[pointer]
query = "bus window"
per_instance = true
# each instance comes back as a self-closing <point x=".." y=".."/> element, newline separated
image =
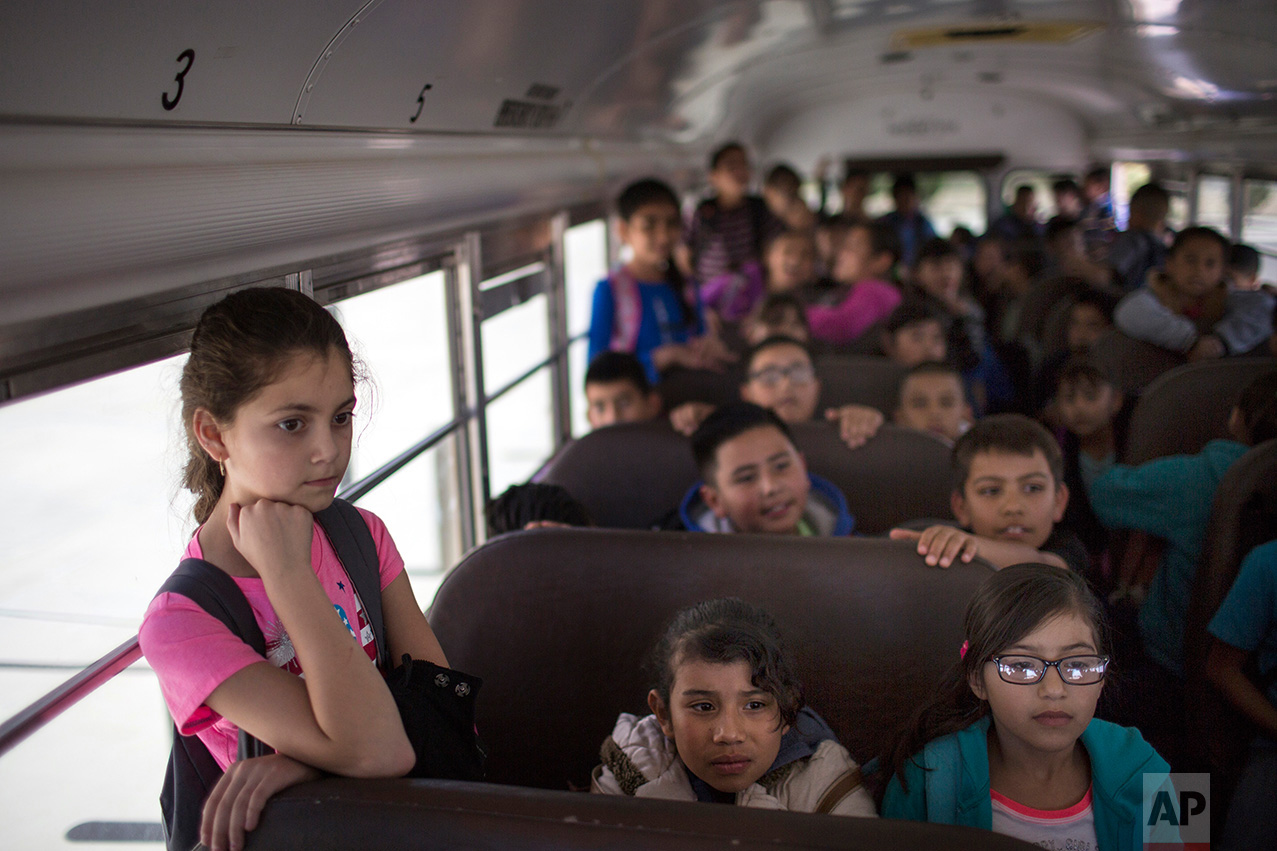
<point x="949" y="199"/>
<point x="400" y="333"/>
<point x="520" y="433"/>
<point x="585" y="264"/>
<point x="1214" y="202"/>
<point x="1259" y="215"/>
<point x="1040" y="181"/>
<point x="92" y="521"/>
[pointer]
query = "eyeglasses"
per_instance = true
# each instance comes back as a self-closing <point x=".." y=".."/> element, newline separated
<point x="1074" y="670"/>
<point x="799" y="373"/>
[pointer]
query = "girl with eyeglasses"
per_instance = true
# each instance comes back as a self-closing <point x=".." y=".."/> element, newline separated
<point x="1011" y="743"/>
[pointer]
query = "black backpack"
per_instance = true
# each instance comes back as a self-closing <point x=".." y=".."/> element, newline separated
<point x="192" y="772"/>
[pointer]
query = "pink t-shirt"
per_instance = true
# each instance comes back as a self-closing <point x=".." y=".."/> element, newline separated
<point x="868" y="302"/>
<point x="193" y="652"/>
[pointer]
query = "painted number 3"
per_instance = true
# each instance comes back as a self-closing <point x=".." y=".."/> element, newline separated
<point x="171" y="103"/>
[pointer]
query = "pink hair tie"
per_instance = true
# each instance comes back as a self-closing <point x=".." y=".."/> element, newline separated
<point x="962" y="651"/>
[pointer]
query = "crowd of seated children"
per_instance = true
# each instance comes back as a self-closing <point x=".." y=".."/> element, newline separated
<point x="1246" y="626"/>
<point x="534" y="505"/>
<point x="728" y="724"/>
<point x="1008" y="497"/>
<point x="782" y="188"/>
<point x="1090" y="314"/>
<point x="646" y="305"/>
<point x="862" y="270"/>
<point x="1188" y="308"/>
<point x="617" y="391"/>
<point x="1067" y="256"/>
<point x="778" y="315"/>
<point x="780" y="376"/>
<point x="1020" y="221"/>
<point x="1067" y="197"/>
<point x="907" y="221"/>
<point x="1092" y="414"/>
<point x="1170" y="498"/>
<point x="1010" y="742"/>
<point x="1141" y="248"/>
<point x="853" y="189"/>
<point x="726" y="235"/>
<point x="932" y="399"/>
<point x="754" y="479"/>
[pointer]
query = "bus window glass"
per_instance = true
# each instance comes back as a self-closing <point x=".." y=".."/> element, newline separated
<point x="1259" y="217"/>
<point x="1214" y="202"/>
<point x="949" y="199"/>
<point x="93" y="520"/>
<point x="400" y="332"/>
<point x="514" y="341"/>
<point x="1177" y="216"/>
<point x="520" y="436"/>
<point x="1039" y="180"/>
<point x="585" y="264"/>
<point x="419" y="505"/>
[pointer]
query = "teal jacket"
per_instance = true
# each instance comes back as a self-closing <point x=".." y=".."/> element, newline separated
<point x="956" y="790"/>
<point x="1171" y="499"/>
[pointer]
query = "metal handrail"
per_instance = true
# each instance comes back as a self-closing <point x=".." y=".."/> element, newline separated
<point x="63" y="697"/>
<point x="71" y="692"/>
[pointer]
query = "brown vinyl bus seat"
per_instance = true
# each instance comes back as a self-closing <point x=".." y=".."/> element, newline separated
<point x="1243" y="516"/>
<point x="679" y="384"/>
<point x="628" y="476"/>
<point x="899" y="475"/>
<point x="858" y="380"/>
<point x="1185" y="408"/>
<point x="559" y="622"/>
<point x="1133" y="363"/>
<point x="424" y="815"/>
<point x="1043" y="295"/>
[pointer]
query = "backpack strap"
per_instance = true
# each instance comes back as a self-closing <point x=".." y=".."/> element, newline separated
<point x="214" y="591"/>
<point x="844" y="786"/>
<point x="356" y="549"/>
<point x="627" y="310"/>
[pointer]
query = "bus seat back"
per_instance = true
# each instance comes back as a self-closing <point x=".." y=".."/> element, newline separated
<point x="560" y="622"/>
<point x="1132" y="362"/>
<point x="899" y="475"/>
<point x="1160" y="423"/>
<point x="858" y="380"/>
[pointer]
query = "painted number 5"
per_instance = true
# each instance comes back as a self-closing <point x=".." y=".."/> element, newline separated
<point x="421" y="102"/>
<point x="170" y="103"/>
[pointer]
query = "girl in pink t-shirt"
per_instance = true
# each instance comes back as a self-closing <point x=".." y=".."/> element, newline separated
<point x="268" y="406"/>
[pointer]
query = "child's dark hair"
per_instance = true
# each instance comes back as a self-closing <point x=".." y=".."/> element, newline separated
<point x="609" y="367"/>
<point x="1104" y="302"/>
<point x="936" y="250"/>
<point x="1082" y="369"/>
<point x="913" y="311"/>
<point x="1258" y="406"/>
<point x="716" y="158"/>
<point x="1058" y="226"/>
<point x="770" y="343"/>
<point x="1007" y="606"/>
<point x="904" y="182"/>
<point x="1015" y="434"/>
<point x="1244" y="259"/>
<point x="1027" y="254"/>
<point x="778" y="306"/>
<point x="1151" y="201"/>
<point x="523" y="504"/>
<point x="639" y="194"/>
<point x="783" y="177"/>
<point x="883" y="239"/>
<point x="724" y="631"/>
<point x="643" y="192"/>
<point x="1066" y="186"/>
<point x="240" y="345"/>
<point x="1189" y="234"/>
<point x="727" y="422"/>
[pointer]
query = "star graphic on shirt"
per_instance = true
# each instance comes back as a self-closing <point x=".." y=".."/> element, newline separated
<point x="341" y="586"/>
